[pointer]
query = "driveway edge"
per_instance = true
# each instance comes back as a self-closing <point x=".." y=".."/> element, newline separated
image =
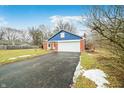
<point x="77" y="72"/>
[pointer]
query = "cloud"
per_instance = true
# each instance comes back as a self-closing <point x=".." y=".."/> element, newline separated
<point x="78" y="21"/>
<point x="3" y="22"/>
<point x="56" y="18"/>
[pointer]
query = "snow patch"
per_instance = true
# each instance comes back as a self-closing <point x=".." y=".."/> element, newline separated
<point x="89" y="54"/>
<point x="24" y="56"/>
<point x="96" y="75"/>
<point x="19" y="57"/>
<point x="12" y="58"/>
<point x="77" y="72"/>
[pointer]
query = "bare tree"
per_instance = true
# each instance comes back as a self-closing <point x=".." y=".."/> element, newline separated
<point x="62" y="25"/>
<point x="25" y="36"/>
<point x="46" y="30"/>
<point x="108" y="22"/>
<point x="2" y="33"/>
<point x="37" y="35"/>
<point x="11" y="35"/>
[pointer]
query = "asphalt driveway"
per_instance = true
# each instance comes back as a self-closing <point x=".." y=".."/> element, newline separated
<point x="54" y="70"/>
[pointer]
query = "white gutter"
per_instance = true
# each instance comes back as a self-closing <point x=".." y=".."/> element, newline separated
<point x="65" y="40"/>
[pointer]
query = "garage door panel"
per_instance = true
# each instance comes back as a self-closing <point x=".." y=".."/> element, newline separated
<point x="69" y="46"/>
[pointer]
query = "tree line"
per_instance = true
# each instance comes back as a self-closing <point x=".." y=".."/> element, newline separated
<point x="34" y="35"/>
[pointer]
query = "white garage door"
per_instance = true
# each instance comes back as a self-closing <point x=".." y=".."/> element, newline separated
<point x="69" y="46"/>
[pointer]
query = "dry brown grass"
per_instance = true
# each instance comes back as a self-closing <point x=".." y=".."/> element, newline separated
<point x="107" y="62"/>
<point x="83" y="82"/>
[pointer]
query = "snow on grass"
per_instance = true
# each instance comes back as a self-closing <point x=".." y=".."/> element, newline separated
<point x="77" y="72"/>
<point x="89" y="54"/>
<point x="96" y="75"/>
<point x="23" y="56"/>
<point x="12" y="58"/>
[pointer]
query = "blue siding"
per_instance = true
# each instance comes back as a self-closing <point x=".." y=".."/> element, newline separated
<point x="68" y="36"/>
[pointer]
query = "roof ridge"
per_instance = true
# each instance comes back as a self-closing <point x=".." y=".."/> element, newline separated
<point x="64" y="31"/>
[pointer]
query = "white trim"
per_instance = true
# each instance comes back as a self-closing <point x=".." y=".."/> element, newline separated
<point x="65" y="40"/>
<point x="69" y="40"/>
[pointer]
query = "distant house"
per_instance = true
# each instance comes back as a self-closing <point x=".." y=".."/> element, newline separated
<point x="64" y="41"/>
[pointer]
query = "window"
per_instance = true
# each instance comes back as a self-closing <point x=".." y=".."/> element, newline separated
<point x="62" y="35"/>
<point x="49" y="45"/>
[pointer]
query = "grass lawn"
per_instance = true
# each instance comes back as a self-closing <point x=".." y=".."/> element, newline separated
<point x="7" y="56"/>
<point x="105" y="61"/>
<point x="87" y="61"/>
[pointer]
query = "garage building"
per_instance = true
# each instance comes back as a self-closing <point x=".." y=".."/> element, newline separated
<point x="64" y="41"/>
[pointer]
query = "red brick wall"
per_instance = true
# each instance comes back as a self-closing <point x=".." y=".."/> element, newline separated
<point x="45" y="45"/>
<point x="52" y="45"/>
<point x="82" y="45"/>
<point x="56" y="46"/>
